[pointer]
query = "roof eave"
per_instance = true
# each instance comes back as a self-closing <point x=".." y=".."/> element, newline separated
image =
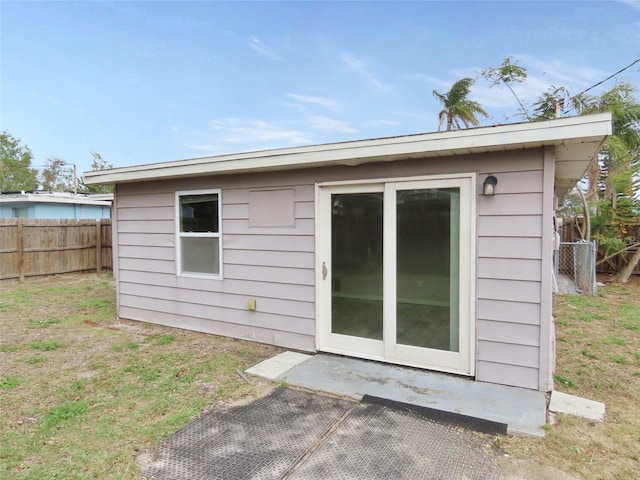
<point x="563" y="131"/>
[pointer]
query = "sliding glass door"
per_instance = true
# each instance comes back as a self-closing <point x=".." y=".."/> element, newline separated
<point x="395" y="264"/>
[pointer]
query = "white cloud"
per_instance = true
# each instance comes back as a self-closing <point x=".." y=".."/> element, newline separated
<point x="257" y="132"/>
<point x="353" y="62"/>
<point x="258" y="45"/>
<point x="358" y="66"/>
<point x="229" y="135"/>
<point x="329" y="124"/>
<point x="560" y="73"/>
<point x="632" y="3"/>
<point x="314" y="100"/>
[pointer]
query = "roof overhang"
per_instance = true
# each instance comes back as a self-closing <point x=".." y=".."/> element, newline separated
<point x="578" y="140"/>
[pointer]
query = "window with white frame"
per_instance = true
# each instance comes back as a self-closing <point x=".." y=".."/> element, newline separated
<point x="198" y="231"/>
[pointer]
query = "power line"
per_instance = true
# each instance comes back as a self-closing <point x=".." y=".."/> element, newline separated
<point x="610" y="76"/>
<point x="601" y="82"/>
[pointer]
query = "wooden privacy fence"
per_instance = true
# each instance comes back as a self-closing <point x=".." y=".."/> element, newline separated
<point x="33" y="247"/>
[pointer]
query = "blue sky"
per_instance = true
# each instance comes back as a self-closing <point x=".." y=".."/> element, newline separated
<point x="144" y="82"/>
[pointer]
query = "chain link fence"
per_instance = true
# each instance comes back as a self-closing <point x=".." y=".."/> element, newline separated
<point x="575" y="270"/>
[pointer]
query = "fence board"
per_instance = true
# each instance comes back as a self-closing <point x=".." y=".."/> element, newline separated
<point x="33" y="247"/>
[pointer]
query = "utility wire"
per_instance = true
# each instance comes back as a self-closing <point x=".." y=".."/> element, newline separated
<point x="610" y="76"/>
<point x="602" y="81"/>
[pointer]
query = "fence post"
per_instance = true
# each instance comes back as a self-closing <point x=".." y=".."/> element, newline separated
<point x="20" y="242"/>
<point x="98" y="246"/>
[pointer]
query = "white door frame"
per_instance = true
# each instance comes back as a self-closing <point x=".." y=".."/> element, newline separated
<point x="462" y="362"/>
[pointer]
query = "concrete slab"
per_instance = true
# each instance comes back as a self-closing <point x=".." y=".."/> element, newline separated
<point x="273" y="367"/>
<point x="572" y="405"/>
<point x="523" y="411"/>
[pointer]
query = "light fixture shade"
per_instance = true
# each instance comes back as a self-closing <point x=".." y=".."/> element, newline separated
<point x="489" y="186"/>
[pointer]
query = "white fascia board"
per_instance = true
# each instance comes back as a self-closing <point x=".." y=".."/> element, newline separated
<point x="486" y="139"/>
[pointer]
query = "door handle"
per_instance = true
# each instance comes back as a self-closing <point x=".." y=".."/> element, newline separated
<point x="324" y="270"/>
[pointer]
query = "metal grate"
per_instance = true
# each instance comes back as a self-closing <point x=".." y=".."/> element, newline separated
<point x="258" y="441"/>
<point x="378" y="442"/>
<point x="576" y="268"/>
<point x="303" y="436"/>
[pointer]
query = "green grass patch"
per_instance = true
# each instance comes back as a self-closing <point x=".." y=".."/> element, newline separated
<point x="47" y="345"/>
<point x="46" y="323"/>
<point x="7" y="383"/>
<point x="566" y="381"/>
<point x="36" y="360"/>
<point x="629" y="316"/>
<point x="160" y="338"/>
<point x="99" y="303"/>
<point x="65" y="412"/>
<point x="630" y="324"/>
<point x="584" y="301"/>
<point x="13" y="301"/>
<point x="98" y="363"/>
<point x="146" y="373"/>
<point x="165" y="339"/>
<point x="613" y="341"/>
<point x="590" y="354"/>
<point x="9" y="348"/>
<point x="585" y="317"/>
<point x="6" y="307"/>
<point x="119" y="347"/>
<point x="619" y="359"/>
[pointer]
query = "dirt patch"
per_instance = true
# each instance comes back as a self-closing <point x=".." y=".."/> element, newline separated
<point x="515" y="469"/>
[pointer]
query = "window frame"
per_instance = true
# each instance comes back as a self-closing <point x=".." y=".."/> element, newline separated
<point x="179" y="235"/>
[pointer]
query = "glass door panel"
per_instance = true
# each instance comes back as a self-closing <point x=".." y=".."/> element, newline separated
<point x="427" y="260"/>
<point x="356" y="264"/>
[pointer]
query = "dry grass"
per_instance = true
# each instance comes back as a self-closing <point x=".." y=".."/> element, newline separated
<point x="598" y="357"/>
<point x="82" y="394"/>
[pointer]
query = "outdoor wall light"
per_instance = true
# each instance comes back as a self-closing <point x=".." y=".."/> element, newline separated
<point x="489" y="186"/>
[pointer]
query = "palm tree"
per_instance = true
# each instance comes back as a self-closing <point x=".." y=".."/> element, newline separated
<point x="457" y="107"/>
<point x="616" y="172"/>
<point x="508" y="73"/>
<point x="614" y="178"/>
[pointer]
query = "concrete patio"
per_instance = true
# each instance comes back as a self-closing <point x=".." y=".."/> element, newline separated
<point x="477" y="405"/>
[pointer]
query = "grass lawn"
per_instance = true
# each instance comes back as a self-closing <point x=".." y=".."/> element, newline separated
<point x="598" y="357"/>
<point x="82" y="394"/>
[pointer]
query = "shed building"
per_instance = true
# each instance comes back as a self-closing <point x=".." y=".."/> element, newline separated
<point x="386" y="249"/>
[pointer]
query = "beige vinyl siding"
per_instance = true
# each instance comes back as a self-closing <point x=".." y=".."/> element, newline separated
<point x="499" y="372"/>
<point x="274" y="266"/>
<point x="281" y="291"/>
<point x="509" y="272"/>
